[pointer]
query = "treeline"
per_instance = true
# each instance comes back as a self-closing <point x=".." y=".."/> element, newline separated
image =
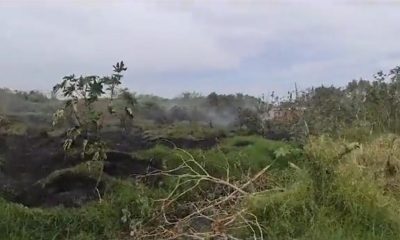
<point x="361" y="107"/>
<point x="21" y="101"/>
<point x="214" y="109"/>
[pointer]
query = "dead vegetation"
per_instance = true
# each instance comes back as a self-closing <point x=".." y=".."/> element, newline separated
<point x="218" y="213"/>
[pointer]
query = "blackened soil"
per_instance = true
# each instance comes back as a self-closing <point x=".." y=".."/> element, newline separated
<point x="121" y="164"/>
<point x="130" y="143"/>
<point x="29" y="158"/>
<point x="126" y="143"/>
<point x="278" y="135"/>
<point x="68" y="190"/>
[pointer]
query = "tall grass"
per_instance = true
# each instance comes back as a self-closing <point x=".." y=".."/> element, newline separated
<point x="339" y="192"/>
<point x="333" y="189"/>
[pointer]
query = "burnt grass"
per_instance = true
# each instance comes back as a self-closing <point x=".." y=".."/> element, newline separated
<point x="28" y="159"/>
<point x="68" y="190"/>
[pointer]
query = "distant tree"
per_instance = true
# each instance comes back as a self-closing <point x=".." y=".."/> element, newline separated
<point x="212" y="99"/>
<point x="190" y="95"/>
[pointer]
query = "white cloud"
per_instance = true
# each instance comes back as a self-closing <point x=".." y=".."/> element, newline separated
<point x="151" y="39"/>
<point x="42" y="40"/>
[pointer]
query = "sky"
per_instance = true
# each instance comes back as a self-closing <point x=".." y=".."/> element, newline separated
<point x="172" y="46"/>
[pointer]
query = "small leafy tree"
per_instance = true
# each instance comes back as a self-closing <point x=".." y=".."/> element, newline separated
<point x="83" y="96"/>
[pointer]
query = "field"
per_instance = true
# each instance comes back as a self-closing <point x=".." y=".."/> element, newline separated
<point x="198" y="167"/>
<point x="327" y="190"/>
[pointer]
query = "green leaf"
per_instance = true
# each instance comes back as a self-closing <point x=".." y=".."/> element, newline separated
<point x="96" y="88"/>
<point x="281" y="152"/>
<point x="68" y="91"/>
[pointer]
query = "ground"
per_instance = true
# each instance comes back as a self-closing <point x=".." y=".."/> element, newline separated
<point x="326" y="189"/>
<point x="45" y="190"/>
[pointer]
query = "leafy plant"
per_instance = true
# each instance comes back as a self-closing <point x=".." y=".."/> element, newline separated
<point x="81" y="95"/>
<point x="281" y="152"/>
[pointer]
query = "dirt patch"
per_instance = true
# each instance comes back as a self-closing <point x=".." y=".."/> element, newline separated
<point x="126" y="143"/>
<point x="278" y="135"/>
<point x="30" y="158"/>
<point x="124" y="165"/>
<point x="68" y="190"/>
<point x="27" y="159"/>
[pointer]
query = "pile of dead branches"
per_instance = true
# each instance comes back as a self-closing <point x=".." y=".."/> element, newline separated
<point x="202" y="206"/>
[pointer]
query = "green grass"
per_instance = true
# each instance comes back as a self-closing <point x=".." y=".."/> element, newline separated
<point x="251" y="158"/>
<point x="94" y="221"/>
<point x="330" y="190"/>
<point x="16" y="128"/>
<point x="183" y="130"/>
<point x="333" y="195"/>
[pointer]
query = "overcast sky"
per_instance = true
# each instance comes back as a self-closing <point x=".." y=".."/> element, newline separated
<point x="172" y="46"/>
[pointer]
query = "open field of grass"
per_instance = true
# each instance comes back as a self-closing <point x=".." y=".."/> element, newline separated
<point x="330" y="189"/>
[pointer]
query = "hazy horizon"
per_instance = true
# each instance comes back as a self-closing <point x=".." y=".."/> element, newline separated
<point x="170" y="47"/>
